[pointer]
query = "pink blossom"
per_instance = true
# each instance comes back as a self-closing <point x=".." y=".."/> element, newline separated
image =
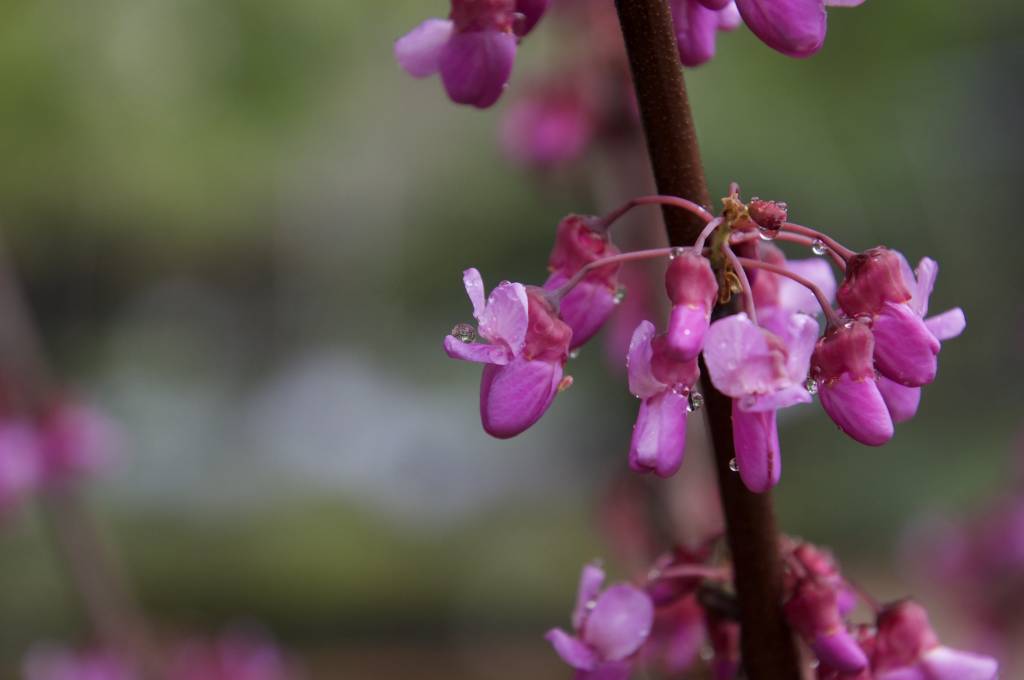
<point x="609" y="627"/>
<point x="548" y="128"/>
<point x="813" y="610"/>
<point x="235" y="656"/>
<point x="696" y="24"/>
<point x="20" y="462"/>
<point x="523" y="359"/>
<point x="662" y="382"/>
<point x="76" y="439"/>
<point x="677" y="636"/>
<point x="692" y="289"/>
<point x="794" y="27"/>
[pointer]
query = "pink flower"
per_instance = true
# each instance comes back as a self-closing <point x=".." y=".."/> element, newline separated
<point x="662" y="382"/>
<point x="609" y="628"/>
<point x="527" y="347"/>
<point x="51" y="662"/>
<point x="235" y="656"/>
<point x="906" y="648"/>
<point x="696" y="23"/>
<point x="762" y="371"/>
<point x="548" y="128"/>
<point x="76" y="439"/>
<point x="474" y="49"/>
<point x="677" y="636"/>
<point x="775" y="295"/>
<point x="19" y="462"/>
<point x="794" y="27"/>
<point x="589" y="304"/>
<point x="692" y="289"/>
<point x="813" y="610"/>
<point x="843" y="368"/>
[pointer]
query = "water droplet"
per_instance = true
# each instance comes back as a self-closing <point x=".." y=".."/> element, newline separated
<point x="464" y="332"/>
<point x="673" y="253"/>
<point x="576" y="352"/>
<point x="694" y="401"/>
<point x="768" y="233"/>
<point x="591" y="604"/>
<point x="811" y="385"/>
<point x="620" y="295"/>
<point x="734" y="466"/>
<point x="818" y="247"/>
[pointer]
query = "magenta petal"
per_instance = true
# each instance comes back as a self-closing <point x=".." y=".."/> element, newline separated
<point x="591" y="579"/>
<point x="756" y="439"/>
<point x="944" y="663"/>
<point x="515" y="396"/>
<point x="506" y="316"/>
<point x="475" y="66"/>
<point x="915" y="672"/>
<point x="714" y="4"/>
<point x="905" y="350"/>
<point x="729" y="18"/>
<point x="572" y="650"/>
<point x="947" y="325"/>
<point x="532" y="11"/>
<point x="474" y="284"/>
<point x="840" y="651"/>
<point x="843" y="3"/>
<point x="19" y="461"/>
<point x="419" y="50"/>
<point x="659" y="437"/>
<point x="739" y="359"/>
<point x="476" y="351"/>
<point x="794" y="297"/>
<point x="902" y="401"/>
<point x="794" y="27"/>
<point x="857" y="407"/>
<point x="925" y="274"/>
<point x="695" y="26"/>
<point x="620" y="622"/>
<point x="642" y="382"/>
<point x="687" y="326"/>
<point x="585" y="308"/>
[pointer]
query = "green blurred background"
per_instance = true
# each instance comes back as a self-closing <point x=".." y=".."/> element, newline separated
<point x="242" y="229"/>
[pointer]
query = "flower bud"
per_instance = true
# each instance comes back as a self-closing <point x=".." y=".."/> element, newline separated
<point x="873" y="278"/>
<point x="769" y="215"/>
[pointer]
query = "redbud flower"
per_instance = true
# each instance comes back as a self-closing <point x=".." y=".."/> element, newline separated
<point x="473" y="49"/>
<point x="548" y="128"/>
<point x="906" y="648"/>
<point x="591" y="301"/>
<point x="776" y="296"/>
<point x="762" y="371"/>
<point x="663" y="384"/>
<point x="692" y="289"/>
<point x="696" y="22"/>
<point x="794" y="27"/>
<point x="842" y="366"/>
<point x="609" y="628"/>
<point x="813" y="610"/>
<point x="19" y="462"/>
<point x="523" y="360"/>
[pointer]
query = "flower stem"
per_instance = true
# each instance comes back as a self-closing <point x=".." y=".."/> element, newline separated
<point x="826" y="307"/>
<point x="768" y="647"/>
<point x="839" y="248"/>
<point x="606" y="222"/>
<point x="563" y="290"/>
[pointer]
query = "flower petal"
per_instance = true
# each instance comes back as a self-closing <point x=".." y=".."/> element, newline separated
<point x="476" y="66"/>
<point x="585" y="308"/>
<point x="902" y="401"/>
<point x="797" y="298"/>
<point x="756" y="439"/>
<point x="926" y="273"/>
<point x="419" y="50"/>
<point x="740" y="359"/>
<point x="591" y="580"/>
<point x="798" y="333"/>
<point x="857" y="407"/>
<point x="793" y="27"/>
<point x="905" y="350"/>
<point x="947" y="325"/>
<point x="839" y="650"/>
<point x="714" y="4"/>
<point x="773" y="401"/>
<point x="480" y="352"/>
<point x="515" y="396"/>
<point x="620" y="622"/>
<point x="532" y="11"/>
<point x="474" y="284"/>
<point x="843" y="3"/>
<point x="572" y="650"/>
<point x="642" y="382"/>
<point x="729" y="18"/>
<point x="659" y="436"/>
<point x="687" y="326"/>
<point x="944" y="663"/>
<point x="695" y="27"/>
<point x="506" y="316"/>
<point x="915" y="672"/>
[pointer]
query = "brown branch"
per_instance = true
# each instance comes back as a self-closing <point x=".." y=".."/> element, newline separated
<point x="768" y="647"/>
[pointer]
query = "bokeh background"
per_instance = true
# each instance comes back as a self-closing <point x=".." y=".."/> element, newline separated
<point x="242" y="228"/>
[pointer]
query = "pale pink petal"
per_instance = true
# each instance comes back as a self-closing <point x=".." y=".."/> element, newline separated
<point x="642" y="382"/>
<point x="475" y="66"/>
<point x="795" y="297"/>
<point x="572" y="650"/>
<point x="506" y="316"/>
<point x="756" y="439"/>
<point x="857" y="407"/>
<point x="915" y="672"/>
<point x="695" y="27"/>
<point x="947" y="325"/>
<point x="729" y="18"/>
<point x="840" y="651"/>
<point x="905" y="350"/>
<point x="474" y="284"/>
<point x="799" y="334"/>
<point x="773" y="401"/>
<point x="687" y="326"/>
<point x="620" y="622"/>
<point x="926" y="273"/>
<point x="793" y="27"/>
<point x="515" y="396"/>
<point x="479" y="352"/>
<point x="740" y="360"/>
<point x="419" y="50"/>
<point x="902" y="401"/>
<point x="659" y="436"/>
<point x="591" y="580"/>
<point x="944" y="663"/>
<point x="585" y="308"/>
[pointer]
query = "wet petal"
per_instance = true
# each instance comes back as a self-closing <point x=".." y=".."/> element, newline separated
<point x="642" y="382"/>
<point x="687" y="326"/>
<point x="572" y="650"/>
<point x="695" y="27"/>
<point x="797" y="298"/>
<point x="840" y="651"/>
<point x="659" y="436"/>
<point x="905" y="350"/>
<point x="944" y="663"/>
<point x="740" y="360"/>
<point x="419" y="50"/>
<point x="857" y="407"/>
<point x="585" y="308"/>
<point x="474" y="284"/>
<point x="506" y="316"/>
<point x="799" y="334"/>
<point x="483" y="353"/>
<point x="926" y="273"/>
<point x="591" y="580"/>
<point x="476" y="66"/>
<point x="947" y="325"/>
<point x="620" y="622"/>
<point x="756" y="439"/>
<point x="515" y="396"/>
<point x="793" y="27"/>
<point x="902" y="401"/>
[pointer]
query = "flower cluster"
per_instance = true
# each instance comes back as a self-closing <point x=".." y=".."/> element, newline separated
<point x="684" y="609"/>
<point x="868" y="363"/>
